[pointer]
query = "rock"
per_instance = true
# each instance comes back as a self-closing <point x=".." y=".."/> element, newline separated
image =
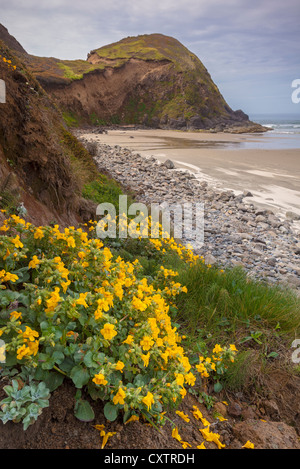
<point x="234" y="409"/>
<point x="292" y="216"/>
<point x="265" y="435"/>
<point x="169" y="164"/>
<point x="248" y="413"/>
<point x="247" y="194"/>
<point x="271" y="409"/>
<point x="260" y="218"/>
<point x="220" y="408"/>
<point x="210" y="259"/>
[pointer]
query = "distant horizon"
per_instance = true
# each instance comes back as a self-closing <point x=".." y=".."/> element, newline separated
<point x="276" y="113"/>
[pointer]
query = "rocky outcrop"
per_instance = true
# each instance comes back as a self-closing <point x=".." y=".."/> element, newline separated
<point x="150" y="80"/>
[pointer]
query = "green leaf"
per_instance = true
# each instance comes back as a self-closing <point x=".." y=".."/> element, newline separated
<point x="110" y="411"/>
<point x="67" y="365"/>
<point x="83" y="411"/>
<point x="53" y="380"/>
<point x="58" y="357"/>
<point x="80" y="376"/>
<point x="47" y="362"/>
<point x="218" y="387"/>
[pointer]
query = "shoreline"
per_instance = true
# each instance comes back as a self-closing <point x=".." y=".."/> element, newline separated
<point x="272" y="176"/>
<point x="237" y="232"/>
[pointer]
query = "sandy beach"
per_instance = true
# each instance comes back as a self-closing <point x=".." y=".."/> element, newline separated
<point x="231" y="161"/>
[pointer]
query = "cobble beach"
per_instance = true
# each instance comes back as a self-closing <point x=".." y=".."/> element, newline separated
<point x="240" y="229"/>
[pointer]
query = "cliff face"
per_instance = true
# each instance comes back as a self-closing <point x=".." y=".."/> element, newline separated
<point x="36" y="157"/>
<point x="151" y="80"/>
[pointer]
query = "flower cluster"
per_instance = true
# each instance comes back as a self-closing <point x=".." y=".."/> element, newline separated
<point x="81" y="311"/>
<point x="8" y="62"/>
<point x="91" y="316"/>
<point x="217" y="362"/>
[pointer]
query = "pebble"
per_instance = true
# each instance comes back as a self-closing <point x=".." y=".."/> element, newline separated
<point x="235" y="231"/>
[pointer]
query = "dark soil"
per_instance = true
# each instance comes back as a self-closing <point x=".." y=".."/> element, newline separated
<point x="272" y="423"/>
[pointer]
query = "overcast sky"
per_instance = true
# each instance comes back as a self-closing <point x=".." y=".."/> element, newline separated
<point x="250" y="48"/>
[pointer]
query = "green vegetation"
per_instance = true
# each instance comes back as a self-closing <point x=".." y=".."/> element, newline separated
<point x="136" y="323"/>
<point x="226" y="306"/>
<point x="70" y="119"/>
<point x="72" y="309"/>
<point x="103" y="189"/>
<point x="9" y="193"/>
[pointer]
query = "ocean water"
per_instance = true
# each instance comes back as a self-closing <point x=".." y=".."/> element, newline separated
<point x="284" y="131"/>
<point x="286" y="124"/>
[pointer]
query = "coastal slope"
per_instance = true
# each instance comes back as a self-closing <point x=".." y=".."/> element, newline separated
<point x="150" y="80"/>
<point x="39" y="158"/>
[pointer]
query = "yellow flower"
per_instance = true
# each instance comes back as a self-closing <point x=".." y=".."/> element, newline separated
<point x="10" y="277"/>
<point x="119" y="366"/>
<point x="221" y="418"/>
<point x="119" y="397"/>
<point x="217" y="349"/>
<point x="71" y="242"/>
<point x="100" y="428"/>
<point x="65" y="285"/>
<point x="190" y="379"/>
<point x="34" y="262"/>
<point x="129" y="340"/>
<point x="248" y="445"/>
<point x="175" y="434"/>
<point x="38" y="233"/>
<point x="22" y="352"/>
<point x="233" y="348"/>
<point x="81" y="300"/>
<point x="148" y="400"/>
<point x="179" y="379"/>
<point x="183" y="415"/>
<point x="145" y="359"/>
<point x="15" y="315"/>
<point x="29" y="334"/>
<point x="205" y="422"/>
<point x="108" y="331"/>
<point x="185" y="445"/>
<point x="146" y="342"/>
<point x="202" y="446"/>
<point x="100" y="380"/>
<point x="105" y="438"/>
<point x="210" y="436"/>
<point x="17" y="242"/>
<point x="197" y="413"/>
<point x="33" y="347"/>
<point x="53" y="301"/>
<point x="133" y="418"/>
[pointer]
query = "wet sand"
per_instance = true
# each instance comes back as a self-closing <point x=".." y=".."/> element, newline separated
<point x="237" y="162"/>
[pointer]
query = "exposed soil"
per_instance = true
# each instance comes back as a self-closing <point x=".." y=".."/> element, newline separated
<point x="272" y="423"/>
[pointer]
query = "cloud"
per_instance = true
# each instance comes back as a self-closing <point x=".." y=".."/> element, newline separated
<point x="236" y="40"/>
